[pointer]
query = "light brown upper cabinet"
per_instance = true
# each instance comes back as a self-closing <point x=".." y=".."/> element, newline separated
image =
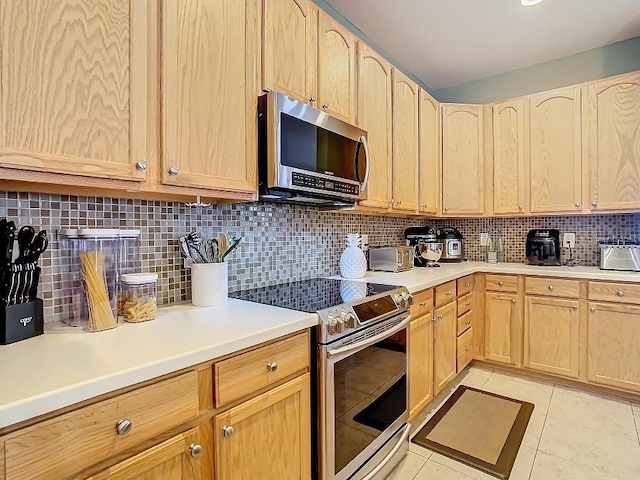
<point x="508" y="158"/>
<point x="555" y="152"/>
<point x="336" y="69"/>
<point x="462" y="160"/>
<point x="289" y="49"/>
<point x="209" y="100"/>
<point x="374" y="116"/>
<point x="612" y="143"/>
<point x="74" y="88"/>
<point x="405" y="142"/>
<point x="430" y="157"/>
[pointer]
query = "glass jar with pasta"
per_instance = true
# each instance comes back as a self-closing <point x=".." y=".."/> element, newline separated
<point x="137" y="301"/>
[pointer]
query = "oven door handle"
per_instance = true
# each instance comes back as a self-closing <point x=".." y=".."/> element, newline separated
<point x="354" y="347"/>
<point x="392" y="453"/>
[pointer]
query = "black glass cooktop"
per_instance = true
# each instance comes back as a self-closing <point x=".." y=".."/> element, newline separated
<point x="312" y="295"/>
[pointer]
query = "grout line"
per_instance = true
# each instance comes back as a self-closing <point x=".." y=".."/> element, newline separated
<point x="636" y="420"/>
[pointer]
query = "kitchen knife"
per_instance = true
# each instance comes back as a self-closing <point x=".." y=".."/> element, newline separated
<point x="6" y="253"/>
<point x="37" y="247"/>
<point x="25" y="237"/>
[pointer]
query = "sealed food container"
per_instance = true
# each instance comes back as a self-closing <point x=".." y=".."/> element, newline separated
<point x="74" y="309"/>
<point x="139" y="296"/>
<point x="130" y="259"/>
<point x="99" y="265"/>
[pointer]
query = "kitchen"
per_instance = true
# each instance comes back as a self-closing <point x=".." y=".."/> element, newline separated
<point x="130" y="166"/>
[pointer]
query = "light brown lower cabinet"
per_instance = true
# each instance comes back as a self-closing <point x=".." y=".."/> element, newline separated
<point x="551" y="335"/>
<point x="175" y="459"/>
<point x="420" y="363"/>
<point x="613" y="333"/>
<point x="501" y="324"/>
<point x="444" y="350"/>
<point x="266" y="437"/>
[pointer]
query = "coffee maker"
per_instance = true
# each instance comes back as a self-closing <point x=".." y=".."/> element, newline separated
<point x="543" y="247"/>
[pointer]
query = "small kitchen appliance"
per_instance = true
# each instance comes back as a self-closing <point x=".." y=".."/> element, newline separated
<point x="620" y="254"/>
<point x="361" y="336"/>
<point x="453" y="247"/>
<point x="390" y="259"/>
<point x="427" y="249"/>
<point x="543" y="247"/>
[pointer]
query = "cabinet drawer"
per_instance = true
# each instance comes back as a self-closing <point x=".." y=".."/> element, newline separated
<point x="465" y="285"/>
<point x="465" y="349"/>
<point x="422" y="303"/>
<point x="465" y="322"/>
<point x="445" y="293"/>
<point x="501" y="283"/>
<point x="615" y="292"/>
<point x="465" y="304"/>
<point x="64" y="445"/>
<point x="246" y="373"/>
<point x="552" y="287"/>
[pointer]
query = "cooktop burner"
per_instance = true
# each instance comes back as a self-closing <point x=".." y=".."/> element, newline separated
<point x="312" y="295"/>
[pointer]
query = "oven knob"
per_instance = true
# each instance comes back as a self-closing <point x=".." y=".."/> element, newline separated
<point x="332" y="323"/>
<point x="339" y="328"/>
<point x="398" y="299"/>
<point x="408" y="299"/>
<point x="352" y="321"/>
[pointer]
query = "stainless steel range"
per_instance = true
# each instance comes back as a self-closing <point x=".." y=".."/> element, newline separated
<point x="360" y="388"/>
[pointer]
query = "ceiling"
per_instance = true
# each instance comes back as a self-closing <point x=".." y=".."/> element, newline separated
<point x="448" y="42"/>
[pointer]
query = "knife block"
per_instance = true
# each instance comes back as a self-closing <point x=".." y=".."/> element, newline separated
<point x="21" y="321"/>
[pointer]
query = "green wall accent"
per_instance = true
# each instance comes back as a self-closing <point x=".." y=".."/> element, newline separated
<point x="607" y="61"/>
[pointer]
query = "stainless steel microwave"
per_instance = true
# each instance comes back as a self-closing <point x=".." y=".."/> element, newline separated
<point x="306" y="156"/>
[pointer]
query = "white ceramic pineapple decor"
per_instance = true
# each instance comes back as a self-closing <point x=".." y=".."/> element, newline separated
<point x="353" y="263"/>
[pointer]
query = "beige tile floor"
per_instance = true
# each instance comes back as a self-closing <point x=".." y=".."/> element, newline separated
<point x="572" y="435"/>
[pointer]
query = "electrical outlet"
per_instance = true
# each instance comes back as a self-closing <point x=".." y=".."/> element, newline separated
<point x="484" y="239"/>
<point x="364" y="245"/>
<point x="569" y="240"/>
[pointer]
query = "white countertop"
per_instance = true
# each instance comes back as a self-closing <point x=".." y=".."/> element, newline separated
<point x="67" y="365"/>
<point x="418" y="279"/>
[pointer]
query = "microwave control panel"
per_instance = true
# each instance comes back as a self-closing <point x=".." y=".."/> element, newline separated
<point x="310" y="181"/>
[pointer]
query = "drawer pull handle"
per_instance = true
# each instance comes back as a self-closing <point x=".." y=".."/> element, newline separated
<point x="467" y="285"/>
<point x="227" y="431"/>
<point x="513" y="300"/>
<point x="272" y="366"/>
<point x="620" y="293"/>
<point x="467" y="304"/>
<point x="423" y="304"/>
<point x="551" y="288"/>
<point x="195" y="450"/>
<point x="593" y="309"/>
<point x="468" y="322"/>
<point x="123" y="427"/>
<point x="500" y="283"/>
<point x="467" y="350"/>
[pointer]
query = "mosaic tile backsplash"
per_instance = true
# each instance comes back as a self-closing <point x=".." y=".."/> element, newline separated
<point x="280" y="242"/>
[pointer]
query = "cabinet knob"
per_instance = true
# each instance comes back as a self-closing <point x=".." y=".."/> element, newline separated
<point x="325" y="105"/>
<point x="123" y="427"/>
<point x="448" y="294"/>
<point x="142" y="166"/>
<point x="439" y="317"/>
<point x="513" y="300"/>
<point x="391" y="202"/>
<point x="500" y="283"/>
<point x="467" y="285"/>
<point x="577" y="204"/>
<point x="593" y="309"/>
<point x="272" y="366"/>
<point x="620" y="293"/>
<point x="467" y="304"/>
<point x="173" y="171"/>
<point x="520" y="207"/>
<point x="227" y="431"/>
<point x="195" y="450"/>
<point x="468" y="322"/>
<point x="467" y="350"/>
<point x="423" y="304"/>
<point x="551" y="288"/>
<point x="575" y="307"/>
<point x="446" y="209"/>
<point x="594" y="204"/>
<point x="312" y="98"/>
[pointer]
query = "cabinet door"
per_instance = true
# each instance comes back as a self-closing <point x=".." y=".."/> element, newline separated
<point x="508" y="157"/>
<point x="555" y="152"/>
<point x="374" y="116"/>
<point x="336" y="69"/>
<point x="430" y="157"/>
<point x="74" y="87"/>
<point x="462" y="160"/>
<point x="177" y="459"/>
<point x="551" y="329"/>
<point x="613" y="349"/>
<point x="612" y="140"/>
<point x="266" y="437"/>
<point x="289" y="49"/>
<point x="500" y="327"/>
<point x="420" y="363"/>
<point x="209" y="52"/>
<point x="405" y="142"/>
<point x="444" y="350"/>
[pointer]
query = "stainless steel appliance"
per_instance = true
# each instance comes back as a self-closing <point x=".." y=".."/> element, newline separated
<point x="308" y="157"/>
<point x="543" y="247"/>
<point x="620" y="254"/>
<point x="359" y="389"/>
<point x="453" y="248"/>
<point x="427" y="249"/>
<point x="390" y="259"/>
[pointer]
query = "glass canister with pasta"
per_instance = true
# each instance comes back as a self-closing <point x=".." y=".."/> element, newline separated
<point x="138" y="296"/>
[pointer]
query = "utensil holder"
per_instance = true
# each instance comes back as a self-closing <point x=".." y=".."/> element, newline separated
<point x="21" y="321"/>
<point x="209" y="284"/>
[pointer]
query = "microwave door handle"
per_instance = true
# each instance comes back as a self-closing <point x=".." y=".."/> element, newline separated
<point x="367" y="158"/>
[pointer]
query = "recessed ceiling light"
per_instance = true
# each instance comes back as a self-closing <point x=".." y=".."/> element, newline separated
<point x="529" y="3"/>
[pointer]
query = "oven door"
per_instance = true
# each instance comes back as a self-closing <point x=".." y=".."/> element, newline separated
<point x="363" y="401"/>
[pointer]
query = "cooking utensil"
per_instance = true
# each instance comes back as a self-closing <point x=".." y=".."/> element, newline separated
<point x="223" y="244"/>
<point x="233" y="246"/>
